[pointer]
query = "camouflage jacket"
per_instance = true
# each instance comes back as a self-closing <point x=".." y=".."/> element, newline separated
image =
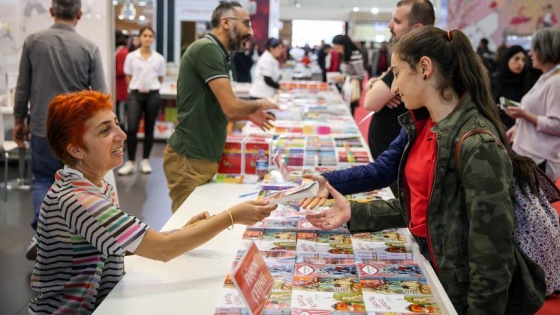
<point x="469" y="219"/>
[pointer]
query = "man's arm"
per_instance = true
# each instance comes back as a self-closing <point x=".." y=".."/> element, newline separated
<point x="379" y="95"/>
<point x="233" y="106"/>
<point x="21" y="103"/>
<point x="97" y="78"/>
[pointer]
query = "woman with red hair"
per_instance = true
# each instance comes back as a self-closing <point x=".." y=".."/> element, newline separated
<point x="82" y="233"/>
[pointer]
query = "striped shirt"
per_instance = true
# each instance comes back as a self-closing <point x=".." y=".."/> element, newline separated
<point x="82" y="237"/>
<point x="354" y="68"/>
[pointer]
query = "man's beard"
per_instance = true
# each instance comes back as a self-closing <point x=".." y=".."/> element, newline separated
<point x="236" y="40"/>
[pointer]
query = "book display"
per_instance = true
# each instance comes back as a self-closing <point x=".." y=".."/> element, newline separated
<point x="333" y="272"/>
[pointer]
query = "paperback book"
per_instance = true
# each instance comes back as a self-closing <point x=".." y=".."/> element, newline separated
<point x="295" y="193"/>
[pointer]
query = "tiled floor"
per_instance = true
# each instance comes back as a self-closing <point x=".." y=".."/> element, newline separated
<point x="145" y="196"/>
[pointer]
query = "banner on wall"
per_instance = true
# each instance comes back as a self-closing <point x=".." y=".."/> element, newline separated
<point x="496" y="20"/>
<point x="195" y="10"/>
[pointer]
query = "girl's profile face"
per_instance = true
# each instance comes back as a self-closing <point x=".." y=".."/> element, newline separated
<point x="534" y="59"/>
<point x="408" y="84"/>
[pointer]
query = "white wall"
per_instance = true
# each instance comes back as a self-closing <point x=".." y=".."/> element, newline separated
<point x="19" y="18"/>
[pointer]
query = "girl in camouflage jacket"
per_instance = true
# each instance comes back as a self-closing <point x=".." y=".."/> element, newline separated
<point x="461" y="216"/>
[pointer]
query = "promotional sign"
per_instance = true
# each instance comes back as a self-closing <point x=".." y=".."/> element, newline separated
<point x="253" y="280"/>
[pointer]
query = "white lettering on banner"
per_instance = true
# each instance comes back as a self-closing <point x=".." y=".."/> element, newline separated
<point x="258" y="289"/>
<point x="251" y="273"/>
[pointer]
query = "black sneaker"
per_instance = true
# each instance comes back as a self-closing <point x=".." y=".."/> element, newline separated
<point x="31" y="253"/>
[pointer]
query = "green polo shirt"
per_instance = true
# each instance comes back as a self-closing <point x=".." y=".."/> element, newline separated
<point x="202" y="125"/>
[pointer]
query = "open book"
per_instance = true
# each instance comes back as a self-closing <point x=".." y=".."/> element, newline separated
<point x="506" y="102"/>
<point x="295" y="193"/>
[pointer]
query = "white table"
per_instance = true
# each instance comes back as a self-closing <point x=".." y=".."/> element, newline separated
<point x="192" y="282"/>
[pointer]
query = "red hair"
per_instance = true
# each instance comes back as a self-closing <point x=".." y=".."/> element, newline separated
<point x="66" y="120"/>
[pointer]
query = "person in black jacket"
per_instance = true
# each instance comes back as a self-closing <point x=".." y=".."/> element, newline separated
<point x="321" y="59"/>
<point x="512" y="79"/>
<point x="242" y="62"/>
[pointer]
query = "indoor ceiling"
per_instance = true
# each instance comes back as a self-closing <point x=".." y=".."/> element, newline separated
<point x="330" y="9"/>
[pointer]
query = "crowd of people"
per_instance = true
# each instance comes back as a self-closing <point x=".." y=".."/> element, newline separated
<point x="429" y="88"/>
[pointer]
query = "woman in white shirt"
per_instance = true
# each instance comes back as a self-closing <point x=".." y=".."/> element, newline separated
<point x="267" y="73"/>
<point x="144" y="69"/>
<point x="536" y="133"/>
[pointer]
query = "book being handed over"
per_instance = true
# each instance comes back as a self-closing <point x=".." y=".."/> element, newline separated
<point x="295" y="193"/>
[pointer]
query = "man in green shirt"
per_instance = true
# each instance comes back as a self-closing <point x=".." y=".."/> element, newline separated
<point x="206" y="102"/>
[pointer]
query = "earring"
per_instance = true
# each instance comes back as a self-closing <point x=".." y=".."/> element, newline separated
<point x="425" y="77"/>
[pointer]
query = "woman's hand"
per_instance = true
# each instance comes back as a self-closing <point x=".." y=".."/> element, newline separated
<point x="251" y="212"/>
<point x="322" y="195"/>
<point x="519" y="113"/>
<point x="335" y="216"/>
<point x="516" y="112"/>
<point x="199" y="217"/>
<point x="339" y="79"/>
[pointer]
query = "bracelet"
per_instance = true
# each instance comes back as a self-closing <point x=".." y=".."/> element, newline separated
<point x="231" y="217"/>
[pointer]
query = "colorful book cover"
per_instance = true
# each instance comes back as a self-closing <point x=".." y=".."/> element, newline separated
<point x="353" y="156"/>
<point x="399" y="303"/>
<point x="336" y="239"/>
<point x="230" y="302"/>
<point x="345" y="285"/>
<point x="279" y="303"/>
<point x="308" y="252"/>
<point x="349" y="142"/>
<point x="321" y="270"/>
<point x="375" y="269"/>
<point x="266" y="245"/>
<point x="309" y="302"/>
<point x="305" y="190"/>
<point x="396" y="286"/>
<point x="390" y="235"/>
<point x="276" y="223"/>
<point x="269" y="235"/>
<point x="382" y="251"/>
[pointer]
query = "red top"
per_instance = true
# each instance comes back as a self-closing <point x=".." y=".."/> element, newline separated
<point x="335" y="62"/>
<point x="120" y="82"/>
<point x="419" y="174"/>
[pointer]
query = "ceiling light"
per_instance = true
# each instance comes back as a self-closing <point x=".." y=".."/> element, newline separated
<point x="115" y="2"/>
<point x="297" y="4"/>
<point x="356" y="9"/>
<point x="128" y="10"/>
<point x="374" y="10"/>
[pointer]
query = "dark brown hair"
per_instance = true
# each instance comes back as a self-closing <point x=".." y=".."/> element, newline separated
<point x="461" y="70"/>
<point x="421" y="11"/>
<point x="222" y="9"/>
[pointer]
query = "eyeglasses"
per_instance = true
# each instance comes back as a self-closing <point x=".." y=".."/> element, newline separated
<point x="246" y="22"/>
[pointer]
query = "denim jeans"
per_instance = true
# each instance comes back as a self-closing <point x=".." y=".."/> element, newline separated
<point x="43" y="167"/>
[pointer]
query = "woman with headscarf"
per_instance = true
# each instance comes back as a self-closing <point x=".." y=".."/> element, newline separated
<point x="512" y="79"/>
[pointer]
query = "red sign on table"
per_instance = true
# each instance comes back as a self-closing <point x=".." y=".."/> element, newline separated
<point x="253" y="280"/>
